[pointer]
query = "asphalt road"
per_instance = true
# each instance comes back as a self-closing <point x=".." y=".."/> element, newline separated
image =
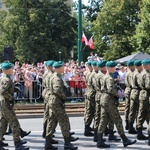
<point x="36" y="142"/>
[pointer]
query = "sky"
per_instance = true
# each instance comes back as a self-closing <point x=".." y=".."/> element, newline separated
<point x="84" y="1"/>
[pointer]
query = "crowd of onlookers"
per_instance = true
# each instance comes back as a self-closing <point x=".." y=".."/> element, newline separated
<point x="29" y="79"/>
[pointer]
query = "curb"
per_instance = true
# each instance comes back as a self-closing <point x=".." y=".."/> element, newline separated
<point x="31" y="116"/>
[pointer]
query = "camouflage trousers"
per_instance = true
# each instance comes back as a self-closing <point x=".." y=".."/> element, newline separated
<point x="134" y="105"/>
<point x="46" y="114"/>
<point x="89" y="111"/>
<point x="98" y="113"/>
<point x="143" y="113"/>
<point x="127" y="102"/>
<point x="57" y="114"/>
<point x="109" y="110"/>
<point x="7" y="115"/>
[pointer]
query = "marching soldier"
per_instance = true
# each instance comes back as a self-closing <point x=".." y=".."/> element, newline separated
<point x="57" y="110"/>
<point x="143" y="112"/>
<point x="89" y="101"/>
<point x="97" y="83"/>
<point x="45" y="85"/>
<point x="7" y="114"/>
<point x="134" y="96"/>
<point x="128" y="89"/>
<point x="109" y="107"/>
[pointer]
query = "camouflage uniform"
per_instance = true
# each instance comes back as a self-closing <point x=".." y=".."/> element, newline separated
<point x="7" y="113"/>
<point x="43" y="95"/>
<point x="143" y="113"/>
<point x="89" y="99"/>
<point x="56" y="106"/>
<point x="108" y="105"/>
<point x="134" y="96"/>
<point x="127" y="94"/>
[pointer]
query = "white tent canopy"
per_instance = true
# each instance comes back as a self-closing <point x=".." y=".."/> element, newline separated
<point x="136" y="56"/>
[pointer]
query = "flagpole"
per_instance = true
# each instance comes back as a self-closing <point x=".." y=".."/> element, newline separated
<point x="79" y="32"/>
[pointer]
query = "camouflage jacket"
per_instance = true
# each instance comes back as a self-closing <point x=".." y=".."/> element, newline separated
<point x="135" y="78"/>
<point x="57" y="87"/>
<point x="6" y="88"/>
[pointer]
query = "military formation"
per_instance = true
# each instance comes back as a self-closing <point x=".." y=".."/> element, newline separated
<point x="101" y="102"/>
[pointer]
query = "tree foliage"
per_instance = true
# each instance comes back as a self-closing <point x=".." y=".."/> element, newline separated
<point x="141" y="40"/>
<point x="114" y="28"/>
<point x="39" y="29"/>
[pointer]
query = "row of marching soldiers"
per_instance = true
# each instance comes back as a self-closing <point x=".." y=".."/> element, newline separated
<point x="54" y="112"/>
<point x="101" y="101"/>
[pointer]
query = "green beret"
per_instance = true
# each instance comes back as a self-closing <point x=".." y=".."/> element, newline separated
<point x="130" y="63"/>
<point x="137" y="63"/>
<point x="89" y="63"/>
<point x="6" y="65"/>
<point x="101" y="63"/>
<point x="94" y="63"/>
<point x="58" y="64"/>
<point x="49" y="63"/>
<point x="146" y="62"/>
<point x="111" y="64"/>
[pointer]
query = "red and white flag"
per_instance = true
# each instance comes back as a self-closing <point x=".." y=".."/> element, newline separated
<point x="91" y="43"/>
<point x="84" y="39"/>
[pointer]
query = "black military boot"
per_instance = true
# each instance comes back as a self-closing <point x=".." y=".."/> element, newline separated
<point x="87" y="131"/>
<point x="112" y="137"/>
<point x="131" y="129"/>
<point x="68" y="145"/>
<point x="73" y="139"/>
<point x="54" y="141"/>
<point x="148" y="140"/>
<point x="126" y="141"/>
<point x="100" y="142"/>
<point x="95" y="135"/>
<point x="44" y="131"/>
<point x="140" y="135"/>
<point x="127" y="125"/>
<point x="19" y="146"/>
<point x="106" y="131"/>
<point x="72" y="133"/>
<point x="48" y="144"/>
<point x="24" y="133"/>
<point x="3" y="144"/>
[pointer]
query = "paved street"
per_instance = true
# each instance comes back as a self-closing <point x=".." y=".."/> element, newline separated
<point x="36" y="142"/>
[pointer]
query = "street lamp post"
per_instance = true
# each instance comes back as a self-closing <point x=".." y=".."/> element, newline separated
<point x="79" y="31"/>
<point x="59" y="56"/>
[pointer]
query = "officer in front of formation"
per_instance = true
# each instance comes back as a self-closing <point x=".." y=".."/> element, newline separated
<point x="108" y="105"/>
<point x="7" y="114"/>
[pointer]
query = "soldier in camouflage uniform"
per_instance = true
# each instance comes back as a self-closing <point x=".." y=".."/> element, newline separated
<point x="89" y="101"/>
<point x="57" y="109"/>
<point x="96" y="81"/>
<point x="134" y="96"/>
<point x="45" y="84"/>
<point x="7" y="114"/>
<point x="128" y="89"/>
<point x="108" y="107"/>
<point x="143" y="112"/>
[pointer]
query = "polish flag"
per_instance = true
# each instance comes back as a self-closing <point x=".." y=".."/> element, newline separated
<point x="91" y="43"/>
<point x="84" y="39"/>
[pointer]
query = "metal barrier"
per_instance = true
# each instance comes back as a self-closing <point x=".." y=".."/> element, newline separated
<point x="24" y="93"/>
<point x="75" y="92"/>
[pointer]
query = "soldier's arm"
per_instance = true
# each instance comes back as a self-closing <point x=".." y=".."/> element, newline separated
<point x="5" y="83"/>
<point x="111" y="87"/>
<point x="57" y="88"/>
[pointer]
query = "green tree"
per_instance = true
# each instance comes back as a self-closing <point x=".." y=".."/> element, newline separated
<point x="114" y="28"/>
<point x="141" y="40"/>
<point x="39" y="29"/>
